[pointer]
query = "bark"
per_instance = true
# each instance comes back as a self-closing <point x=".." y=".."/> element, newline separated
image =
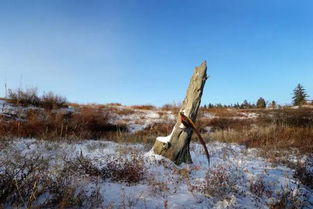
<point x="177" y="148"/>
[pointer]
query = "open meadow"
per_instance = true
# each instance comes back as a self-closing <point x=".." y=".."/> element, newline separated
<point x="99" y="156"/>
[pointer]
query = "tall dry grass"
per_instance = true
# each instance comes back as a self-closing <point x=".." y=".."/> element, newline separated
<point x="30" y="96"/>
<point x="284" y="128"/>
<point x="88" y="123"/>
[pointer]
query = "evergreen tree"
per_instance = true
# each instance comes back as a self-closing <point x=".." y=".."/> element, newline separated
<point x="245" y="105"/>
<point x="273" y="104"/>
<point x="261" y="103"/>
<point x="299" y="95"/>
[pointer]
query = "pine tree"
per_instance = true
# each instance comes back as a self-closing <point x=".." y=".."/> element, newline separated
<point x="245" y="105"/>
<point x="237" y="106"/>
<point x="261" y="103"/>
<point x="273" y="104"/>
<point x="300" y="95"/>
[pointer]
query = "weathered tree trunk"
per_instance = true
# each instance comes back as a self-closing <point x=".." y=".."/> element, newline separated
<point x="176" y="146"/>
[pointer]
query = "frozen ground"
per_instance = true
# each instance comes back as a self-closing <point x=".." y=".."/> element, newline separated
<point x="140" y="119"/>
<point x="236" y="178"/>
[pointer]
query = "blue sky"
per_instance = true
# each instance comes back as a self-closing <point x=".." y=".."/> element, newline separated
<point x="144" y="52"/>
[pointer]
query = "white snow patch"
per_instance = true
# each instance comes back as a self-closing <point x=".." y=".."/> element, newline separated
<point x="165" y="139"/>
<point x="164" y="182"/>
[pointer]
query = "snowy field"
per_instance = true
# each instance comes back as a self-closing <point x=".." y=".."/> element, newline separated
<point x="236" y="178"/>
<point x="104" y="174"/>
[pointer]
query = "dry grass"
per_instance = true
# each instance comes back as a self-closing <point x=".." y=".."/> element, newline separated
<point x="89" y="123"/>
<point x="259" y="188"/>
<point x="120" y="111"/>
<point x="304" y="175"/>
<point x="268" y="137"/>
<point x="30" y="97"/>
<point x="274" y="128"/>
<point x="279" y="128"/>
<point x="219" y="183"/>
<point x="159" y="129"/>
<point x="114" y="104"/>
<point x="126" y="137"/>
<point x="25" y="181"/>
<point x="288" y="201"/>
<point x="143" y="107"/>
<point x="130" y="170"/>
<point x="221" y="112"/>
<point x="224" y="123"/>
<point x="146" y="136"/>
<point x="174" y="108"/>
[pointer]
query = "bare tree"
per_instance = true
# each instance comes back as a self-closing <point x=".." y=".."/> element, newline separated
<point x="176" y="145"/>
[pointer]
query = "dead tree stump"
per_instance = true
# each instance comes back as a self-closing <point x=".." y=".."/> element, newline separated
<point x="176" y="145"/>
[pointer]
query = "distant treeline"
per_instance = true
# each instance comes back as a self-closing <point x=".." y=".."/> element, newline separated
<point x="261" y="103"/>
<point x="300" y="97"/>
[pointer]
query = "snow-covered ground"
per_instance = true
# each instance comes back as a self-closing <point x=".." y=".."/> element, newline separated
<point x="236" y="178"/>
<point x="136" y="120"/>
<point x="141" y="119"/>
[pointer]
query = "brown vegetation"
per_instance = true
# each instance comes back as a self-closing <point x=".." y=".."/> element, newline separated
<point x="26" y="180"/>
<point x="221" y="112"/>
<point x="219" y="183"/>
<point x="30" y="97"/>
<point x="143" y="107"/>
<point x="269" y="128"/>
<point x="122" y="169"/>
<point x="174" y="108"/>
<point x="273" y="128"/>
<point x="88" y="123"/>
<point x="146" y="136"/>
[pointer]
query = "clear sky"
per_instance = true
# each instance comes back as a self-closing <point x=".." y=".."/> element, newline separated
<point x="144" y="51"/>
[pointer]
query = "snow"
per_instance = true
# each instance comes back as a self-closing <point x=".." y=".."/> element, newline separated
<point x="9" y="111"/>
<point x="141" y="119"/>
<point x="209" y="115"/>
<point x="175" y="186"/>
<point x="165" y="183"/>
<point x="165" y="139"/>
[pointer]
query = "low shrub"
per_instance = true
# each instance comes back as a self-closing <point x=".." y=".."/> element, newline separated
<point x="123" y="169"/>
<point x="268" y="137"/>
<point x="228" y="123"/>
<point x="174" y="108"/>
<point x="259" y="188"/>
<point x="294" y="118"/>
<point x="305" y="175"/>
<point x="52" y="101"/>
<point x="88" y="123"/>
<point x="143" y="107"/>
<point x="120" y="111"/>
<point x="29" y="181"/>
<point x="160" y="129"/>
<point x="30" y="97"/>
<point x="219" y="183"/>
<point x="221" y="112"/>
<point x="288" y="200"/>
<point x="24" y="97"/>
<point x="82" y="166"/>
<point x="127" y="169"/>
<point x="19" y="180"/>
